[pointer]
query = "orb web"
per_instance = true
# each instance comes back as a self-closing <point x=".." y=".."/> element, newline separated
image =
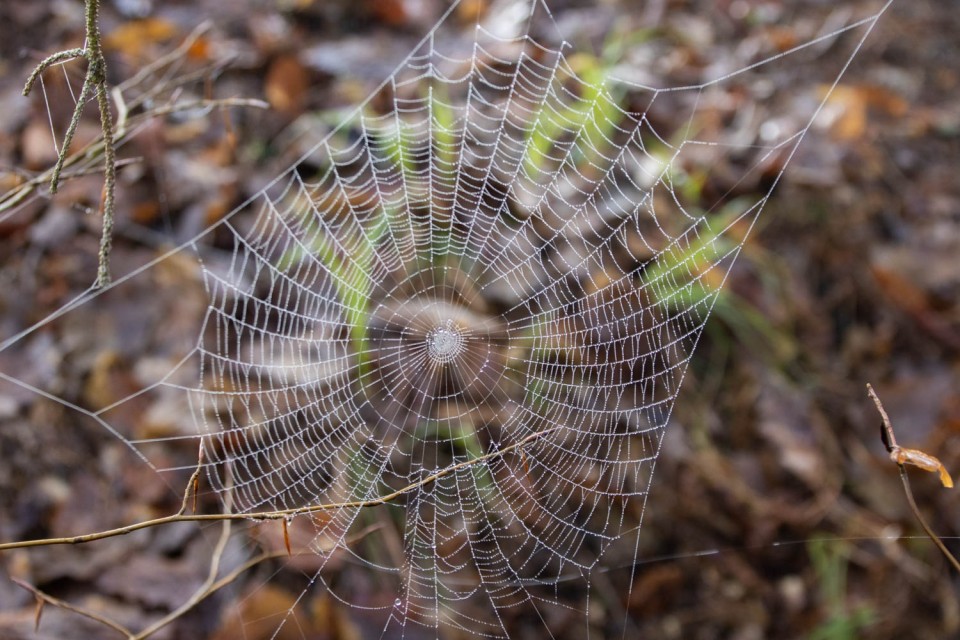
<point x="504" y="260"/>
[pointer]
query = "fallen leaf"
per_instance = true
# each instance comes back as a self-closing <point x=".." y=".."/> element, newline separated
<point x="200" y="50"/>
<point x="151" y="581"/>
<point x="782" y="38"/>
<point x="286" y="84"/>
<point x="656" y="589"/>
<point x="910" y="298"/>
<point x="391" y="12"/>
<point x="145" y="212"/>
<point x="885" y="100"/>
<point x="134" y="38"/>
<point x="850" y="104"/>
<point x="38" y="147"/>
<point x="922" y="460"/>
<point x="259" y="614"/>
<point x="471" y="10"/>
<point x="109" y="380"/>
<point x="849" y="110"/>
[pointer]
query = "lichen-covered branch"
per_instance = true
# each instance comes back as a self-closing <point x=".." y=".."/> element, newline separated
<point x="94" y="84"/>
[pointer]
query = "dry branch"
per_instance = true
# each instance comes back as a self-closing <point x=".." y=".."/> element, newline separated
<point x="182" y="516"/>
<point x="916" y="458"/>
<point x="94" y="84"/>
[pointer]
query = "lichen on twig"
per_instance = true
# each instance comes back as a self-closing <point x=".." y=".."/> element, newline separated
<point x="94" y="84"/>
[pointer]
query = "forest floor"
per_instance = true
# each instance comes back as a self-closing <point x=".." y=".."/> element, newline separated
<point x="774" y="512"/>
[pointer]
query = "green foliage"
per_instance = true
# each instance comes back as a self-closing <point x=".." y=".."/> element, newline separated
<point x="463" y="439"/>
<point x="688" y="274"/>
<point x="830" y="559"/>
<point x="595" y="115"/>
<point x="349" y="265"/>
<point x="445" y="154"/>
<point x="691" y="274"/>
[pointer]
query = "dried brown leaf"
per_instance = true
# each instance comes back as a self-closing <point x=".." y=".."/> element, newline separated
<point x="286" y="84"/>
<point x="134" y="39"/>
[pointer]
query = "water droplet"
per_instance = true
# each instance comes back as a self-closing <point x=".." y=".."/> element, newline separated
<point x="398" y="602"/>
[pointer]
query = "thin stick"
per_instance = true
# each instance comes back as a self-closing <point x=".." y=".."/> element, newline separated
<point x="193" y="484"/>
<point x="119" y="129"/>
<point x="204" y="589"/>
<point x="180" y="516"/>
<point x="94" y="84"/>
<point x="890" y="441"/>
<point x="208" y="104"/>
<point x="57" y="602"/>
<point x="46" y="63"/>
<point x="923" y="523"/>
<point x="109" y="184"/>
<point x="211" y="585"/>
<point x="20" y="193"/>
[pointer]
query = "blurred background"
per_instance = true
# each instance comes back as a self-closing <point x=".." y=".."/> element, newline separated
<point x="774" y="512"/>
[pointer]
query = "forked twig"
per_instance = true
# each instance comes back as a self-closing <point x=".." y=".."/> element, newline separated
<point x="25" y="189"/>
<point x="94" y="83"/>
<point x="43" y="598"/>
<point x="204" y="590"/>
<point x="916" y="458"/>
<point x="209" y="586"/>
<point x="182" y="516"/>
<point x="207" y="590"/>
<point x="112" y="133"/>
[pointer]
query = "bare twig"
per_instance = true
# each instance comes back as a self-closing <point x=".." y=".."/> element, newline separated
<point x="94" y="84"/>
<point x="25" y="189"/>
<point x="209" y="105"/>
<point x="168" y="59"/>
<point x="181" y="516"/>
<point x="917" y="458"/>
<point x="147" y="103"/>
<point x="208" y="589"/>
<point x="109" y="180"/>
<point x="902" y="455"/>
<point x="204" y="590"/>
<point x="193" y="484"/>
<point x="210" y="586"/>
<point x="57" y="602"/>
<point x="49" y="61"/>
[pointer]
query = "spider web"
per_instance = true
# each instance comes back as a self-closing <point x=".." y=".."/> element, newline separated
<point x="465" y="319"/>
